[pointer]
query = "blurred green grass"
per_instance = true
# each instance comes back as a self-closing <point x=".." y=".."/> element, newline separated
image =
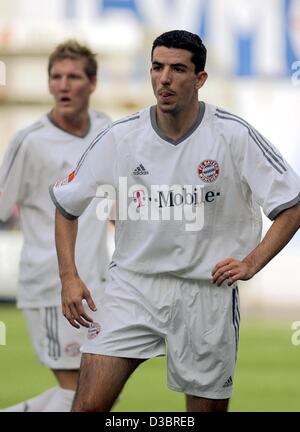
<point x="267" y="375"/>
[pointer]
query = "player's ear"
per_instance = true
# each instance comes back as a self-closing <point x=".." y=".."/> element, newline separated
<point x="201" y="79"/>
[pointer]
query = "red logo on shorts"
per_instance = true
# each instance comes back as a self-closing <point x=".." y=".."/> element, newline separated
<point x="94" y="330"/>
<point x="208" y="170"/>
<point x="72" y="349"/>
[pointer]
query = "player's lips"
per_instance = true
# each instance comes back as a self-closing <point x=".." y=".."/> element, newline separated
<point x="166" y="95"/>
<point x="64" y="99"/>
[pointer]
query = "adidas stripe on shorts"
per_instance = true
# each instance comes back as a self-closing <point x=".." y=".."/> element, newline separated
<point x="56" y="343"/>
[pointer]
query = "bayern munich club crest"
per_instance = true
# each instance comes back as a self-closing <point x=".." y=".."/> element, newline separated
<point x="72" y="349"/>
<point x="208" y="170"/>
<point x="93" y="330"/>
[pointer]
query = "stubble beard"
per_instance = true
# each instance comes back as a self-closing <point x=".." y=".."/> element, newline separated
<point x="172" y="109"/>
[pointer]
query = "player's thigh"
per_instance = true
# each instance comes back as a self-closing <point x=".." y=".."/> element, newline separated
<point x="101" y="379"/>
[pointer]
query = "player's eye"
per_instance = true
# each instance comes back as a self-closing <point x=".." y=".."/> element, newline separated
<point x="179" y="69"/>
<point x="75" y="77"/>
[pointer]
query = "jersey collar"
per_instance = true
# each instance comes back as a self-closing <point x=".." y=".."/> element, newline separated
<point x="183" y="137"/>
<point x="64" y="130"/>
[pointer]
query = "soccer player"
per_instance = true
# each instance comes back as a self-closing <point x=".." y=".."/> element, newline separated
<point x="36" y="156"/>
<point x="189" y="179"/>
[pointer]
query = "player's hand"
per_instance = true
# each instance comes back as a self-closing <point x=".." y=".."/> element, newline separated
<point x="231" y="270"/>
<point x="73" y="292"/>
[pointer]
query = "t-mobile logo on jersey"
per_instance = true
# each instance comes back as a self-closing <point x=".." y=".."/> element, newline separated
<point x="160" y="203"/>
<point x="2" y="333"/>
<point x="168" y="198"/>
<point x="182" y="197"/>
<point x="179" y="197"/>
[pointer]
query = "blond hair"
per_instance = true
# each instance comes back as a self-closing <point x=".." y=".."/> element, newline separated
<point x="71" y="49"/>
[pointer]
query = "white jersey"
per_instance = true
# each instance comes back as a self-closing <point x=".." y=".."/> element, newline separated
<point x="36" y="157"/>
<point x="218" y="173"/>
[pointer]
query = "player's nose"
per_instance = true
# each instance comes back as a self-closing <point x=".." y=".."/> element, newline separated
<point x="64" y="83"/>
<point x="166" y="76"/>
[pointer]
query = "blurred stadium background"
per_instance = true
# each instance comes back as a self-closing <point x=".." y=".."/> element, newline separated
<point x="254" y="71"/>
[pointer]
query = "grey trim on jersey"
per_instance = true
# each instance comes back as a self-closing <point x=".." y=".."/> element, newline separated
<point x="117" y="122"/>
<point x="100" y="135"/>
<point x="274" y="213"/>
<point x="187" y="134"/>
<point x="37" y="125"/>
<point x="93" y="143"/>
<point x="52" y="121"/>
<point x="269" y="153"/>
<point x="59" y="207"/>
<point x="254" y="130"/>
<point x="79" y="164"/>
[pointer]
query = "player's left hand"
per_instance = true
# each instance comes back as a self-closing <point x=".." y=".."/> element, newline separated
<point x="232" y="270"/>
<point x="73" y="292"/>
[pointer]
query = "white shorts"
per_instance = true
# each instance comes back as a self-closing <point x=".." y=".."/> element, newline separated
<point x="55" y="341"/>
<point x="194" y="322"/>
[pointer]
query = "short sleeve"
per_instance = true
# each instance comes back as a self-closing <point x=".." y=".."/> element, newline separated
<point x="95" y="168"/>
<point x="273" y="182"/>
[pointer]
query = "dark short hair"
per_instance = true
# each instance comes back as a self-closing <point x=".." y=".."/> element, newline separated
<point x="184" y="40"/>
<point x="71" y="49"/>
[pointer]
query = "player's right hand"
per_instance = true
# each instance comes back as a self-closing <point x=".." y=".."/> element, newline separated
<point x="73" y="292"/>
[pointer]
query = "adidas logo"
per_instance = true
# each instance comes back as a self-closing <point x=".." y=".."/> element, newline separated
<point x="140" y="170"/>
<point x="228" y="383"/>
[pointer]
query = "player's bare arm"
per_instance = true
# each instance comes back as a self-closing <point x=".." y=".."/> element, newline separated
<point x="73" y="289"/>
<point x="279" y="234"/>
